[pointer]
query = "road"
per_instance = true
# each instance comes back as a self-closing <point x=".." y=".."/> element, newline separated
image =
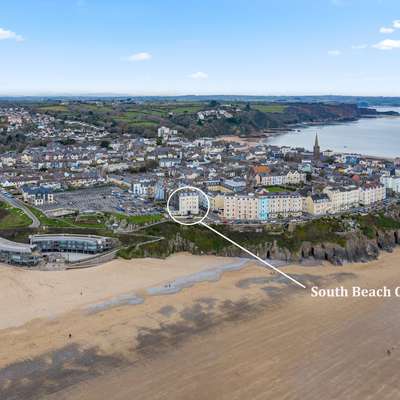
<point x="19" y="204"/>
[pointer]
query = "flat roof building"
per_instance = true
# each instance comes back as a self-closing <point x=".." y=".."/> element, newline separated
<point x="90" y="244"/>
<point x="18" y="253"/>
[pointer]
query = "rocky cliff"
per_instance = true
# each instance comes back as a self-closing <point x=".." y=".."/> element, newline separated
<point x="358" y="248"/>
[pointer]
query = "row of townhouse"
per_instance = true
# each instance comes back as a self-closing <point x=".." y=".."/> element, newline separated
<point x="55" y="180"/>
<point x="262" y="207"/>
<point x="276" y="179"/>
<point x="346" y="197"/>
<point x="252" y="207"/>
<point x="343" y="197"/>
<point x="372" y="193"/>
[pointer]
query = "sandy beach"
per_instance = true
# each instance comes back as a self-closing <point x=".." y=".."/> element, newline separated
<point x="245" y="142"/>
<point x="241" y="334"/>
<point x="31" y="294"/>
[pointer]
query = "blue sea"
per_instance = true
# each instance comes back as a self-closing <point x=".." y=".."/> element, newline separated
<point x="371" y="136"/>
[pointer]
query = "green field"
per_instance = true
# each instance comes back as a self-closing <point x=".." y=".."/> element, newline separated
<point x="194" y="108"/>
<point x="54" y="108"/>
<point x="128" y="111"/>
<point x="133" y="122"/>
<point x="100" y="108"/>
<point x="279" y="189"/>
<point x="269" y="108"/>
<point x="11" y="217"/>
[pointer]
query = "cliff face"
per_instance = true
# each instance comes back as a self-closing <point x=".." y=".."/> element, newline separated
<point x="358" y="248"/>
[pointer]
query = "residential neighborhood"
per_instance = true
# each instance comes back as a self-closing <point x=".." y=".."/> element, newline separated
<point x="251" y="182"/>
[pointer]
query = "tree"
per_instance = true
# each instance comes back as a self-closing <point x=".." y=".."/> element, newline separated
<point x="67" y="141"/>
<point x="105" y="144"/>
<point x="213" y="103"/>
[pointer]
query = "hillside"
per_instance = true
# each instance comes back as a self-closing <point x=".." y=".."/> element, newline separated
<point x="125" y="116"/>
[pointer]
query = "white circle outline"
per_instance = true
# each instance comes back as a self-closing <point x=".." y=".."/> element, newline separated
<point x="186" y="188"/>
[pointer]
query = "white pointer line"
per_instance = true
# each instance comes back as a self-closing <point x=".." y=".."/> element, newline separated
<point x="253" y="255"/>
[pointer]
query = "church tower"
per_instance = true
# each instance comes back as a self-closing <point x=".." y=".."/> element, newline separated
<point x="317" y="150"/>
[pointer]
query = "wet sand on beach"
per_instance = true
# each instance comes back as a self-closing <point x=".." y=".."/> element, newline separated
<point x="29" y="294"/>
<point x="249" y="335"/>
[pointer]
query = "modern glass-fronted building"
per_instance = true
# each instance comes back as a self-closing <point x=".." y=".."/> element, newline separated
<point x="89" y="244"/>
<point x="18" y="253"/>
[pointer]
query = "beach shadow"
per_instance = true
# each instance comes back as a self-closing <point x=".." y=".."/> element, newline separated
<point x="53" y="371"/>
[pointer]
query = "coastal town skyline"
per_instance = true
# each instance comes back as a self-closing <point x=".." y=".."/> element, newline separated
<point x="125" y="230"/>
<point x="199" y="199"/>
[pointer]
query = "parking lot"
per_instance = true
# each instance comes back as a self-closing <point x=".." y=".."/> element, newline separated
<point x="106" y="199"/>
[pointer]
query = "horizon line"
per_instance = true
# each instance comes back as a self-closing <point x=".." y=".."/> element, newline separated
<point x="113" y="94"/>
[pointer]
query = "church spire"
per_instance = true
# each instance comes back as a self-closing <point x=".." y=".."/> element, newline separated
<point x="317" y="151"/>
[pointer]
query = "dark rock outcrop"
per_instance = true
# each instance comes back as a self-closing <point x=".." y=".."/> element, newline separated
<point x="358" y="248"/>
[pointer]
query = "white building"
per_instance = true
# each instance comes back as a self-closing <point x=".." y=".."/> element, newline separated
<point x="295" y="177"/>
<point x="165" y="132"/>
<point x="284" y="205"/>
<point x="318" y="204"/>
<point x="239" y="207"/>
<point x="37" y="196"/>
<point x="188" y="203"/>
<point x="372" y="193"/>
<point x="391" y="182"/>
<point x="139" y="187"/>
<point x="343" y="197"/>
<point x="276" y="179"/>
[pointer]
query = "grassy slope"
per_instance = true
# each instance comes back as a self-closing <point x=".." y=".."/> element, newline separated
<point x="92" y="221"/>
<point x="138" y="219"/>
<point x="68" y="222"/>
<point x="323" y="230"/>
<point x="11" y="217"/>
<point x="369" y="224"/>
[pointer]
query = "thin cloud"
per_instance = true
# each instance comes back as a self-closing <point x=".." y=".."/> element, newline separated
<point x="334" y="53"/>
<point x="359" y="46"/>
<point x="198" y="75"/>
<point x="7" y="34"/>
<point x="396" y="24"/>
<point x="387" y="44"/>
<point x="384" y="29"/>
<point x="142" y="56"/>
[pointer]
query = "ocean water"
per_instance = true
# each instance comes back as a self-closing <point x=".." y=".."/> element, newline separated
<point x="372" y="136"/>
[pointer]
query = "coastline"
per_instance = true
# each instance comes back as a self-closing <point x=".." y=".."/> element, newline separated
<point x="246" y="325"/>
<point x="252" y="141"/>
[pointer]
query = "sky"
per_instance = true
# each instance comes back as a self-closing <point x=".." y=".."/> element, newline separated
<point x="176" y="47"/>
